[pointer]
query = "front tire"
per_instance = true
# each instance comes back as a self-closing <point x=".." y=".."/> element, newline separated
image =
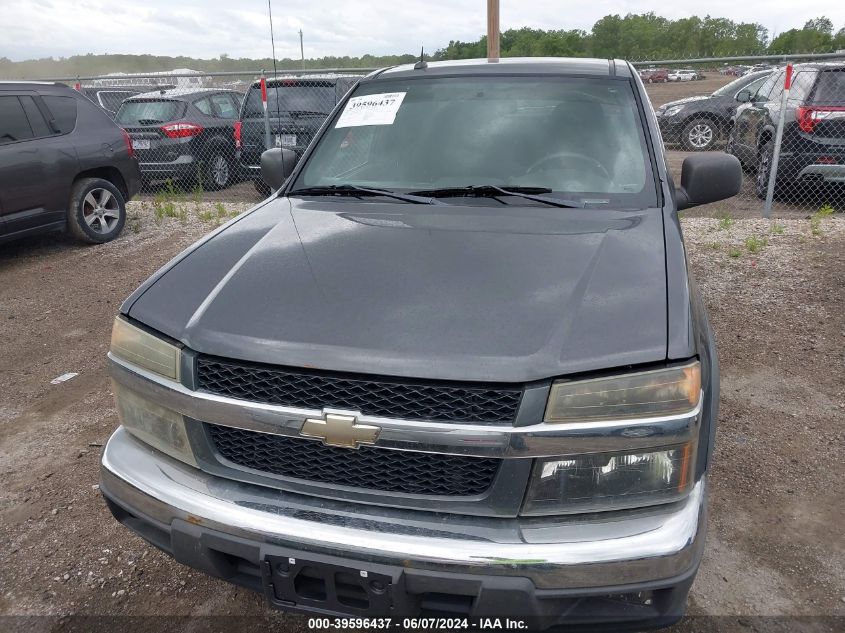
<point x="97" y="211"/>
<point x="699" y="135"/>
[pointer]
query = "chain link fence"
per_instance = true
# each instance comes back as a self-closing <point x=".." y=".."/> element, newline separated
<point x="204" y="132"/>
<point x="739" y="108"/>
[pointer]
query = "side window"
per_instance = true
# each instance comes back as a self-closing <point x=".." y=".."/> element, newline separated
<point x="224" y="106"/>
<point x="802" y="83"/>
<point x="204" y="106"/>
<point x="753" y="87"/>
<point x="777" y="89"/>
<point x="63" y="110"/>
<point x="14" y="125"/>
<point x="765" y="89"/>
<point x="36" y="119"/>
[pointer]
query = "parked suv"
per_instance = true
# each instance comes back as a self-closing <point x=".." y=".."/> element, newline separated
<point x="184" y="135"/>
<point x="296" y="107"/>
<point x="698" y="123"/>
<point x="455" y="365"/>
<point x="813" y="145"/>
<point x="63" y="164"/>
<point x="683" y="74"/>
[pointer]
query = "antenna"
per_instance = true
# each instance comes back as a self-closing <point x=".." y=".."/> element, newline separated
<point x="275" y="71"/>
<point x="422" y="64"/>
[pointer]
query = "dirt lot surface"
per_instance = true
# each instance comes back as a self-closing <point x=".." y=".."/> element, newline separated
<point x="775" y="544"/>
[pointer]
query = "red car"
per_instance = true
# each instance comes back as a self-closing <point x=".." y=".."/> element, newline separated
<point x="654" y="75"/>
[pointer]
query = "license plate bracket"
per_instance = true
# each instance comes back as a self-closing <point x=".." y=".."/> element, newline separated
<point x="307" y="585"/>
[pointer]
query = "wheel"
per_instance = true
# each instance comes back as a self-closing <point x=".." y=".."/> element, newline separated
<point x="699" y="135"/>
<point x="651" y="80"/>
<point x="262" y="187"/>
<point x="216" y="170"/>
<point x="764" y="168"/>
<point x="97" y="210"/>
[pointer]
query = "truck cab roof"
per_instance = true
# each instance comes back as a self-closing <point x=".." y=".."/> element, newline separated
<point x="514" y="66"/>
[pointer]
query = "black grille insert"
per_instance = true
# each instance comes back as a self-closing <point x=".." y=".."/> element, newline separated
<point x="406" y="472"/>
<point x="446" y="402"/>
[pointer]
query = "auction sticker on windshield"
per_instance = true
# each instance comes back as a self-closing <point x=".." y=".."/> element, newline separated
<point x="379" y="109"/>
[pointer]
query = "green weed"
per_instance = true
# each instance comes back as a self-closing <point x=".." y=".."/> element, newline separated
<point x="755" y="244"/>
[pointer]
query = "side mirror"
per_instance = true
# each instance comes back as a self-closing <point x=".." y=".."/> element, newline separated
<point x="276" y="165"/>
<point x="708" y="178"/>
<point x="743" y="96"/>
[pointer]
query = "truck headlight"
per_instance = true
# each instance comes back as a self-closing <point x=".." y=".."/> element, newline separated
<point x="610" y="481"/>
<point x="145" y="350"/>
<point x="153" y="424"/>
<point x="644" y="394"/>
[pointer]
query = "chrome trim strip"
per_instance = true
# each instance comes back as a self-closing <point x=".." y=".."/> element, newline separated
<point x="589" y="551"/>
<point x="538" y="440"/>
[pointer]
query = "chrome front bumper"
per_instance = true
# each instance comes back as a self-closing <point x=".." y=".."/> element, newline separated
<point x="568" y="552"/>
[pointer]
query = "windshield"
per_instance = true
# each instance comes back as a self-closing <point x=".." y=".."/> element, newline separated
<point x="149" y="112"/>
<point x="575" y="137"/>
<point x="300" y="97"/>
<point x="729" y="90"/>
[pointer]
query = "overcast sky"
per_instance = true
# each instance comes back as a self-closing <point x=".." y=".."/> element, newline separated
<point x="207" y="28"/>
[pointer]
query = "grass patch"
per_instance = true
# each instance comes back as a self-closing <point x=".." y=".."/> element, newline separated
<point x="755" y="244"/>
<point x="725" y="223"/>
<point x="733" y="251"/>
<point x="777" y="229"/>
<point x="816" y="219"/>
<point x="713" y="246"/>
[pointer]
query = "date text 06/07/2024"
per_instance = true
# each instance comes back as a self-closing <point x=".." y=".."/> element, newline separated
<point x="443" y="624"/>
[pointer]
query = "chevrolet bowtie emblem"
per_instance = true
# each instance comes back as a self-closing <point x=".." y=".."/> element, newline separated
<point x="340" y="430"/>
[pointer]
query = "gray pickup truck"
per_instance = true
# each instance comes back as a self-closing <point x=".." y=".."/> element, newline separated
<point x="456" y="365"/>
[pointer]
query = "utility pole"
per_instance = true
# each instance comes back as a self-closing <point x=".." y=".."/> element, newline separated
<point x="493" y="30"/>
<point x="301" y="49"/>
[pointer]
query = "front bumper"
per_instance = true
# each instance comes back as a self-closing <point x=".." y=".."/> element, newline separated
<point x="550" y="565"/>
<point x="670" y="128"/>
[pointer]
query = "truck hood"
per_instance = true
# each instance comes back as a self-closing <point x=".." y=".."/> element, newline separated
<point x="460" y="292"/>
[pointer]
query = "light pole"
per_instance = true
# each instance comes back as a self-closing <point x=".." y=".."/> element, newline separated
<point x="493" y="30"/>
<point x="301" y="49"/>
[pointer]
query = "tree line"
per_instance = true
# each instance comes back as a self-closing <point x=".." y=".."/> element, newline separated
<point x="634" y="36"/>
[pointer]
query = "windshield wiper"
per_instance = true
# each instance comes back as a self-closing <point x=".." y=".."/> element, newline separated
<point x="529" y="193"/>
<point x="355" y="190"/>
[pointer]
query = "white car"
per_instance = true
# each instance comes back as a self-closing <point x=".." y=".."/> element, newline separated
<point x="682" y="75"/>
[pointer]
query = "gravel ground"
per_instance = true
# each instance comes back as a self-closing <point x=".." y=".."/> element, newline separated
<point x="775" y="543"/>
